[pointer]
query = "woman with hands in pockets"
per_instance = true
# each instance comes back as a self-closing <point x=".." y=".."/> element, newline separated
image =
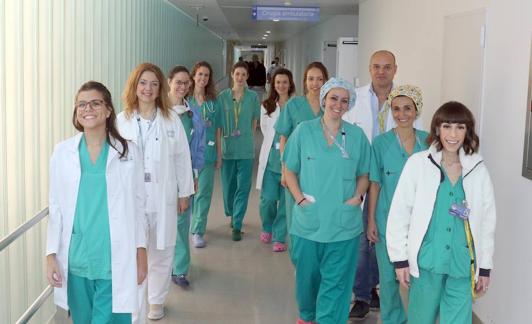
<point x="327" y="164"/>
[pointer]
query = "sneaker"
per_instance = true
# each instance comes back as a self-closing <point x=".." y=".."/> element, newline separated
<point x="181" y="280"/>
<point x="300" y="321"/>
<point x="360" y="310"/>
<point x="237" y="235"/>
<point x="156" y="312"/>
<point x="375" y="303"/>
<point x="266" y="238"/>
<point x="198" y="240"/>
<point x="279" y="247"/>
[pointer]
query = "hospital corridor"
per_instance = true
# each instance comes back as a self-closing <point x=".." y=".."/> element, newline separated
<point x="265" y="161"/>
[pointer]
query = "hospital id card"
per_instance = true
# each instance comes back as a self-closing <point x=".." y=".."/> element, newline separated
<point x="147" y="177"/>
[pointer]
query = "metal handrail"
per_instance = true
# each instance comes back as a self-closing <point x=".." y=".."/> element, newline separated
<point x="35" y="306"/>
<point x="10" y="238"/>
<point x="22" y="229"/>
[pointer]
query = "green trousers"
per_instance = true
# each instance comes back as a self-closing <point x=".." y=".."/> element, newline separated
<point x="432" y="295"/>
<point x="90" y="302"/>
<point x="391" y="307"/>
<point x="272" y="206"/>
<point x="236" y="185"/>
<point x="182" y="244"/>
<point x="325" y="273"/>
<point x="202" y="199"/>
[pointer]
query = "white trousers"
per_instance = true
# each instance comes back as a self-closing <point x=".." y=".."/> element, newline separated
<point x="159" y="273"/>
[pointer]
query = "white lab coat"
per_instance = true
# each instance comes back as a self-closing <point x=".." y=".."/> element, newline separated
<point x="172" y="169"/>
<point x="268" y="132"/>
<point x="414" y="200"/>
<point x="127" y="219"/>
<point x="362" y="115"/>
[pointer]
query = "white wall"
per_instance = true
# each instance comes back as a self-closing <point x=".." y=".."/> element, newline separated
<point x="306" y="47"/>
<point x="413" y="29"/>
<point x="48" y="48"/>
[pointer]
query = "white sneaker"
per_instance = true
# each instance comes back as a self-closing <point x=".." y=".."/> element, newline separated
<point x="198" y="241"/>
<point x="156" y="312"/>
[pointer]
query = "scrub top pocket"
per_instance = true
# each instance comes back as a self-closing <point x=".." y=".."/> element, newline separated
<point x="350" y="216"/>
<point x="306" y="217"/>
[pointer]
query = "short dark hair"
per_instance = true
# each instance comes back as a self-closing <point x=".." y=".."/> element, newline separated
<point x="454" y="112"/>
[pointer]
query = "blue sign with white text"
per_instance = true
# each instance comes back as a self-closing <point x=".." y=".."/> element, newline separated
<point x="285" y="13"/>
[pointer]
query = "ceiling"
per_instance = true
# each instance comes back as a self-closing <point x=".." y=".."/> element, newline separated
<point x="231" y="19"/>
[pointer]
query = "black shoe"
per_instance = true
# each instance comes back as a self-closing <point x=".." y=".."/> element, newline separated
<point x="360" y="310"/>
<point x="237" y="235"/>
<point x="375" y="303"/>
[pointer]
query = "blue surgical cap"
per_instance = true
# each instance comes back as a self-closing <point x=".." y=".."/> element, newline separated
<point x="337" y="83"/>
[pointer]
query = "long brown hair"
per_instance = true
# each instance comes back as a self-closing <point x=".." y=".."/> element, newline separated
<point x="210" y="90"/>
<point x="129" y="97"/>
<point x="315" y="65"/>
<point x="110" y="124"/>
<point x="270" y="104"/>
<point x="454" y="112"/>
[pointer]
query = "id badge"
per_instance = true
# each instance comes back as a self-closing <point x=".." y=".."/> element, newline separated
<point x="210" y="143"/>
<point x="277" y="146"/>
<point x="147" y="177"/>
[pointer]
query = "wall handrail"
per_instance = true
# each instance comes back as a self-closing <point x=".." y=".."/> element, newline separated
<point x="36" y="305"/>
<point x="22" y="229"/>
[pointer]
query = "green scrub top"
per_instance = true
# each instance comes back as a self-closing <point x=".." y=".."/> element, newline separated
<point x="211" y="113"/>
<point x="237" y="123"/>
<point x="296" y="110"/>
<point x="444" y="247"/>
<point x="329" y="178"/>
<point x="186" y="120"/>
<point x="274" y="157"/>
<point x="388" y="158"/>
<point x="89" y="253"/>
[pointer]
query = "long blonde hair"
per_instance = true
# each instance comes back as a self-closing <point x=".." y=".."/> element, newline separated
<point x="129" y="96"/>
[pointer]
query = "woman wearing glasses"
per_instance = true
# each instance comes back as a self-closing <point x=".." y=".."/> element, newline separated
<point x="240" y="114"/>
<point x="149" y="121"/>
<point x="96" y="240"/>
<point x="179" y="82"/>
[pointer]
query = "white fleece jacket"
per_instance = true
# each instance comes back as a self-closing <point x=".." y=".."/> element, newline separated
<point x="413" y="203"/>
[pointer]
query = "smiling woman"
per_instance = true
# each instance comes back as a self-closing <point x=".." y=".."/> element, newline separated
<point x="149" y="121"/>
<point x="95" y="182"/>
<point x="443" y="202"/>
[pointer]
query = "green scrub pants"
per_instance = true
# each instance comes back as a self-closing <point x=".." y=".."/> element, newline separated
<point x="324" y="277"/>
<point x="391" y="308"/>
<point x="273" y="215"/>
<point x="182" y="244"/>
<point x="90" y="302"/>
<point x="236" y="185"/>
<point x="435" y="294"/>
<point x="202" y="199"/>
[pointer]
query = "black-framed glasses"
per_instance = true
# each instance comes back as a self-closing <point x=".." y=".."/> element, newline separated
<point x="96" y="104"/>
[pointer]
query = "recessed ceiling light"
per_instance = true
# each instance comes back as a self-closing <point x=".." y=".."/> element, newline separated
<point x="287" y="3"/>
<point x="268" y="31"/>
<point x="276" y="20"/>
<point x="263" y="37"/>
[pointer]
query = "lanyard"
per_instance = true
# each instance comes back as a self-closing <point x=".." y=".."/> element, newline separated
<point x="401" y="142"/>
<point x="237" y="108"/>
<point x="150" y="122"/>
<point x="331" y="136"/>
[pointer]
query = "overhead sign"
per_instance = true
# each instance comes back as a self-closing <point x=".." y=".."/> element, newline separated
<point x="285" y="13"/>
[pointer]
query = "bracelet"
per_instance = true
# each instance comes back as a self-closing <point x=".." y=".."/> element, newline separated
<point x="302" y="199"/>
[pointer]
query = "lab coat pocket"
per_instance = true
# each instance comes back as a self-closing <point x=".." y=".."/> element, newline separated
<point x="350" y="216"/>
<point x="307" y="217"/>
